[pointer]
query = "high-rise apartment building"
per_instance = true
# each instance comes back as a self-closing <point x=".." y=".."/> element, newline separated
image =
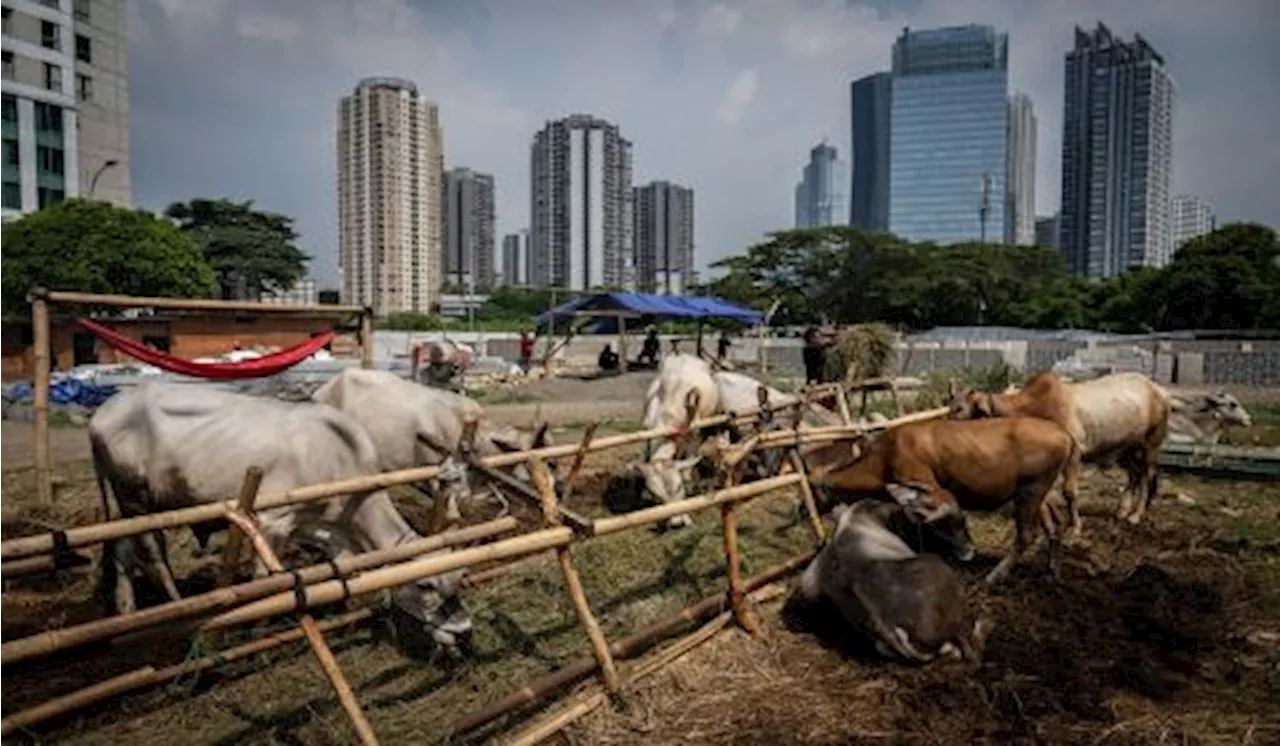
<point x="580" y="224"/>
<point x="819" y="193"/>
<point x="1020" y="179"/>
<point x="1047" y="232"/>
<point x="1192" y="217"/>
<point x="515" y="258"/>
<point x="390" y="164"/>
<point x="65" y="102"/>
<point x="468" y="229"/>
<point x="1117" y="155"/>
<point x="948" y="143"/>
<point x="870" y="102"/>
<point x="663" y="237"/>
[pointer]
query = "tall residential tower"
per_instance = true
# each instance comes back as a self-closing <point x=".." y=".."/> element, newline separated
<point x="663" y="237"/>
<point x="1020" y="179"/>
<point x="1117" y="155"/>
<point x="1192" y="217"/>
<point x="468" y="229"/>
<point x="580" y="225"/>
<point x="819" y="193"/>
<point x="390" y="165"/>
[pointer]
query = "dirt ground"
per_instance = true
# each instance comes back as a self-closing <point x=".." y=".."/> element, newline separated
<point x="1164" y="633"/>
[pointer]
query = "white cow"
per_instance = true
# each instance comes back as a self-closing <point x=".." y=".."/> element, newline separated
<point x="721" y="392"/>
<point x="1203" y="418"/>
<point x="414" y="425"/>
<point x="665" y="406"/>
<point x="913" y="605"/>
<point x="162" y="446"/>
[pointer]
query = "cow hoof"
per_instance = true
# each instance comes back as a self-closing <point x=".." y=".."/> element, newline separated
<point x="679" y="521"/>
<point x="1134" y="518"/>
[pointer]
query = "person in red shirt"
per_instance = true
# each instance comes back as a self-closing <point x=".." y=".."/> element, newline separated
<point x="526" y="350"/>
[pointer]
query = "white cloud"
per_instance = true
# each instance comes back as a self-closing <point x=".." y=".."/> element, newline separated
<point x="738" y="96"/>
<point x="719" y="20"/>
<point x="267" y="27"/>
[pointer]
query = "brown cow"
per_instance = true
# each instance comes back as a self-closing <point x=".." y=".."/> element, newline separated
<point x="1122" y="417"/>
<point x="978" y="465"/>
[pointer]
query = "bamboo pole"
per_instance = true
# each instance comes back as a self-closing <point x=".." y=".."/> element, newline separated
<point x="536" y="541"/>
<point x="235" y="538"/>
<point x="579" y="458"/>
<point x="737" y="595"/>
<point x="187" y="304"/>
<point x="806" y="496"/>
<point x="842" y="402"/>
<point x="542" y="482"/>
<point x="40" y="341"/>
<point x="366" y="340"/>
<point x="150" y="676"/>
<point x="628" y="647"/>
<point x="51" y="641"/>
<point x="315" y="637"/>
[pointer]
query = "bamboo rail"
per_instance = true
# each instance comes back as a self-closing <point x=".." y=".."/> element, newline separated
<point x="54" y="640"/>
<point x="45" y="543"/>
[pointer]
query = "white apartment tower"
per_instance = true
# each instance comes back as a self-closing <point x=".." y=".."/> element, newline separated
<point x="580" y="205"/>
<point x="515" y="258"/>
<point x="66" y="102"/>
<point x="663" y="237"/>
<point x="1192" y="217"/>
<point x="390" y="182"/>
<point x="1020" y="179"/>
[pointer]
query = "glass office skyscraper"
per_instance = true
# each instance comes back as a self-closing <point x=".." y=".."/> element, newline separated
<point x="819" y="197"/>
<point x="949" y="134"/>
<point x="870" y="99"/>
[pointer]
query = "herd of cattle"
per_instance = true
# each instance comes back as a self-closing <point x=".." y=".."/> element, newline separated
<point x="163" y="446"/>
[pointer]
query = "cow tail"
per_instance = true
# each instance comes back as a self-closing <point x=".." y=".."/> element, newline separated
<point x="107" y="564"/>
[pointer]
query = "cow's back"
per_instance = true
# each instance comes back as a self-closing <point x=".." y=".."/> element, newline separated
<point x="1119" y="410"/>
<point x="677" y="376"/>
<point x="192" y="444"/>
<point x="988" y="457"/>
<point x="395" y="412"/>
<point x="740" y="393"/>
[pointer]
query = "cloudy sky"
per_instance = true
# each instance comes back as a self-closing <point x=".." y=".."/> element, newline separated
<point x="238" y="98"/>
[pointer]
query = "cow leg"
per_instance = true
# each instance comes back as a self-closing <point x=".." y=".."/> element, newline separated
<point x="1147" y="481"/>
<point x="1027" y="508"/>
<point x="1070" y="493"/>
<point x="1128" y="461"/>
<point x="158" y="563"/>
<point x="118" y="559"/>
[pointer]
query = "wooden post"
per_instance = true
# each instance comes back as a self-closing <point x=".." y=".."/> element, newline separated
<point x="623" y="365"/>
<point x="40" y="341"/>
<point x="578" y="458"/>
<point x="842" y="402"/>
<point x="366" y="338"/>
<point x="542" y="482"/>
<point x="312" y="632"/>
<point x="737" y="594"/>
<point x="806" y="496"/>
<point x="231" y="554"/>
<point x="893" y="393"/>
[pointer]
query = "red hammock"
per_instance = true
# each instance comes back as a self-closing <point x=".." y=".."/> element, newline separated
<point x="267" y="365"/>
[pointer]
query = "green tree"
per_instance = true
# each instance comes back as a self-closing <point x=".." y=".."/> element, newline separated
<point x="95" y="247"/>
<point x="1226" y="279"/>
<point x="250" y="250"/>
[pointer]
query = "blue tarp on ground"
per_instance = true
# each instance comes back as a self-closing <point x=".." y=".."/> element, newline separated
<point x="66" y="391"/>
<point x="658" y="306"/>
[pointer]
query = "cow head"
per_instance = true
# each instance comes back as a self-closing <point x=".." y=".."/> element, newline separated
<point x="1226" y="409"/>
<point x="434" y="602"/>
<point x="968" y="403"/>
<point x="510" y="440"/>
<point x="666" y="478"/>
<point x="941" y="514"/>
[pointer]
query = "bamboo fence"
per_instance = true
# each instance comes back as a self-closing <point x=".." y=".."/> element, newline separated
<point x="298" y="592"/>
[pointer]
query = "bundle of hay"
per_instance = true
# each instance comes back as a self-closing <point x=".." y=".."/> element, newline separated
<point x="862" y="351"/>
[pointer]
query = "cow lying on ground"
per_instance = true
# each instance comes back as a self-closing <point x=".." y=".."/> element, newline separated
<point x="163" y="446"/>
<point x="1122" y="417"/>
<point x="1204" y="418"/>
<point x="949" y="466"/>
<point x="913" y="605"/>
<point x="414" y="425"/>
<point x="665" y="476"/>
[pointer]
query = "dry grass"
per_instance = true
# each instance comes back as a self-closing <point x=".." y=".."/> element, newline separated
<point x="1187" y="656"/>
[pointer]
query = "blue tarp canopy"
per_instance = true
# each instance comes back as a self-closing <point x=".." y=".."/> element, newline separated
<point x="638" y="305"/>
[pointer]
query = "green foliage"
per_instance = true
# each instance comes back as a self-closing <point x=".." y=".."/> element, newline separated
<point x="250" y="251"/>
<point x="1227" y="279"/>
<point x="410" y="321"/>
<point x="95" y="247"/>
